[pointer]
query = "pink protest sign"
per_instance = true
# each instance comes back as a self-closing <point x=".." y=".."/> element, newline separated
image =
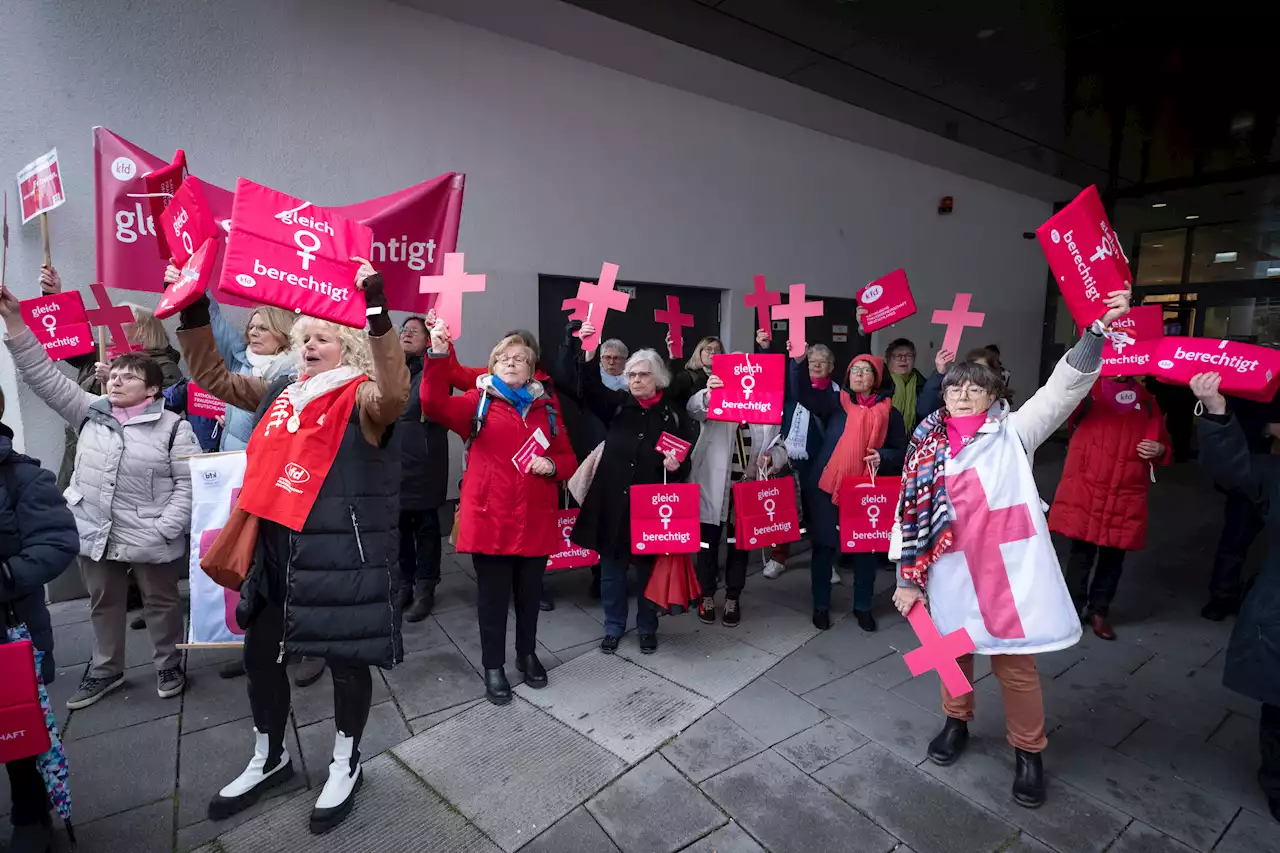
<point x="1085" y="256"/>
<point x="601" y="299"/>
<point x="956" y="320"/>
<point x="112" y="316"/>
<point x="763" y="301"/>
<point x="887" y="300"/>
<point x="938" y="652"/>
<point x="294" y="255"/>
<point x="669" y="442"/>
<point x="162" y="185"/>
<point x="569" y="556"/>
<point x="60" y="323"/>
<point x="449" y="287"/>
<point x="1248" y="371"/>
<point x="1130" y="341"/>
<point x="196" y="275"/>
<point x="536" y="445"/>
<point x="795" y="312"/>
<point x="752" y="391"/>
<point x="203" y="404"/>
<point x="664" y="519"/>
<point x="866" y="513"/>
<point x="675" y="322"/>
<point x="188" y="221"/>
<point x="40" y="187"/>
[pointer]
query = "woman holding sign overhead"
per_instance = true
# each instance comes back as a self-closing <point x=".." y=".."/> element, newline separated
<point x="862" y="435"/>
<point x="318" y="511"/>
<point x="635" y="420"/>
<point x="974" y="535"/>
<point x="517" y="452"/>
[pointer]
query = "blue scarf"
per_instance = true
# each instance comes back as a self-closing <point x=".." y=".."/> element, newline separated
<point x="519" y="397"/>
<point x="613" y="383"/>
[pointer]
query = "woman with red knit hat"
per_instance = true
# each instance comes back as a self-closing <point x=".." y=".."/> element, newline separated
<point x="864" y="435"/>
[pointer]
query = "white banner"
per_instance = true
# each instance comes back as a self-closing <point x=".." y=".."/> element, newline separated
<point x="215" y="484"/>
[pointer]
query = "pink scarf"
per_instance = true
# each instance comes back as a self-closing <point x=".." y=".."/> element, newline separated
<point x="128" y="413"/>
<point x="962" y="429"/>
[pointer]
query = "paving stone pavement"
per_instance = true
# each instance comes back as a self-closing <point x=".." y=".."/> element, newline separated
<point x="765" y="738"/>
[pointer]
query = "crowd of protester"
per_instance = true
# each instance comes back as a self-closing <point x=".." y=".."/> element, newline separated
<point x="334" y="591"/>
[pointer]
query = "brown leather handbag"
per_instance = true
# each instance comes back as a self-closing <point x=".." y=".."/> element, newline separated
<point x="228" y="559"/>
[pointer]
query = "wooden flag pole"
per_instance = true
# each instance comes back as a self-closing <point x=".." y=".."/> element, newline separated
<point x="44" y="233"/>
<point x="102" y="344"/>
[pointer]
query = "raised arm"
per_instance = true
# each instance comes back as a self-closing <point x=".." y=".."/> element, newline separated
<point x="602" y="401"/>
<point x="61" y="394"/>
<point x="1070" y="382"/>
<point x="195" y="338"/>
<point x="231" y="344"/>
<point x="1224" y="450"/>
<point x="438" y="404"/>
<point x="821" y="404"/>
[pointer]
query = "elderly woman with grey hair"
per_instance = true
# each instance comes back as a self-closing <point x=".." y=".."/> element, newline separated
<point x="634" y="418"/>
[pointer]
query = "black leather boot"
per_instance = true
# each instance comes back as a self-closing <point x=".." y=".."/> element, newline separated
<point x="424" y="599"/>
<point x="535" y="675"/>
<point x="496" y="687"/>
<point x="1028" y="779"/>
<point x="949" y="743"/>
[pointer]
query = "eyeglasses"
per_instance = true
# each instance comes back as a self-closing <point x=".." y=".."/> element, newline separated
<point x="903" y="356"/>
<point x="862" y="371"/>
<point x="968" y="392"/>
<point x="637" y="374"/>
<point x="611" y="357"/>
<point x="822" y="363"/>
<point x="513" y="359"/>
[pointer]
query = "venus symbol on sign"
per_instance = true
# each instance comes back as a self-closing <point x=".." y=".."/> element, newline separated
<point x="748" y="383"/>
<point x="769" y="506"/>
<point x="665" y="512"/>
<point x="307" y="253"/>
<point x="50" y="322"/>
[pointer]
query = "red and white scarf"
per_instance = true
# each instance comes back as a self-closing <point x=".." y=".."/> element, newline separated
<point x="294" y="445"/>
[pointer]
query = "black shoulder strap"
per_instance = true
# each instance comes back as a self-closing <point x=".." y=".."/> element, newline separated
<point x="173" y="433"/>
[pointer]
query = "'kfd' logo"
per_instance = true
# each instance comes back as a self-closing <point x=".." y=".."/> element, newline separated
<point x="297" y="473"/>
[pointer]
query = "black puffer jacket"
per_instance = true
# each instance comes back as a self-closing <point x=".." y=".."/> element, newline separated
<point x="630" y="456"/>
<point x="1253" y="654"/>
<point x="38" y="540"/>
<point x="424" y="450"/>
<point x="333" y="579"/>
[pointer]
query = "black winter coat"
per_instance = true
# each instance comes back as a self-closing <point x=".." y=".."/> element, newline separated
<point x="1253" y="654"/>
<point x="38" y="540"/>
<point x="424" y="450"/>
<point x="334" y="578"/>
<point x="630" y="457"/>
<point x="585" y="429"/>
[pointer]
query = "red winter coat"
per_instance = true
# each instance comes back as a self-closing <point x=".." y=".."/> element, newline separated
<point x="502" y="511"/>
<point x="1102" y="497"/>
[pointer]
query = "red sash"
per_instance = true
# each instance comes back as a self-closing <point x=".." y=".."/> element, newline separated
<point x="290" y="454"/>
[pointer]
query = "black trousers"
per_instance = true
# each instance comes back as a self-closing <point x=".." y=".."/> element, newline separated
<point x="499" y="579"/>
<point x="269" y="685"/>
<point x="420" y="546"/>
<point x="1269" y="742"/>
<point x="1241" y="524"/>
<point x="26" y="788"/>
<point x="735" y="564"/>
<point x="1095" y="595"/>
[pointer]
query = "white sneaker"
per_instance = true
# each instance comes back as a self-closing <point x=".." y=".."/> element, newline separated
<point x="835" y="576"/>
<point x="773" y="568"/>
<point x="248" y="787"/>
<point x="339" y="794"/>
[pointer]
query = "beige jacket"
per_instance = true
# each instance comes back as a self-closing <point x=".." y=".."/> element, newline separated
<point x="130" y="491"/>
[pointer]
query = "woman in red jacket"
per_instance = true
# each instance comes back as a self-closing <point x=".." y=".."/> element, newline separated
<point x="507" y="511"/>
<point x="1118" y="436"/>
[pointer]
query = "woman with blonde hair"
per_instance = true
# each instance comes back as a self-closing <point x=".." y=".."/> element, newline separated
<point x="322" y="482"/>
<point x="691" y="377"/>
<point x="507" y="508"/>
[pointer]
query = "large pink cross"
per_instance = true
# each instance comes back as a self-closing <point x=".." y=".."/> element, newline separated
<point x="603" y="297"/>
<point x="112" y="316"/>
<point x="449" y="287"/>
<point x="938" y="652"/>
<point x="675" y="322"/>
<point x="795" y="312"/>
<point x="762" y="300"/>
<point x="980" y="536"/>
<point x="956" y="319"/>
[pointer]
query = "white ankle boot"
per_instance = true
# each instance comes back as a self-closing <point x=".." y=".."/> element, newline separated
<point x="248" y="787"/>
<point x="339" y="794"/>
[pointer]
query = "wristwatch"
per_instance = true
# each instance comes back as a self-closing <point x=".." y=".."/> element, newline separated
<point x="1096" y="328"/>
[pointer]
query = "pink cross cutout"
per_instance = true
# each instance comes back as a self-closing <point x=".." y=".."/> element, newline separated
<point x="956" y="319"/>
<point x="449" y="287"/>
<point x="604" y="297"/>
<point x="979" y="538"/>
<point x="938" y="652"/>
<point x="762" y="300"/>
<point x="675" y="322"/>
<point x="112" y="316"/>
<point x="576" y="307"/>
<point x="795" y="312"/>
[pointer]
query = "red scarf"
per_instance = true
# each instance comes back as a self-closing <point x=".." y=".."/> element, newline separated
<point x="865" y="428"/>
<point x="290" y="454"/>
<point x="650" y="402"/>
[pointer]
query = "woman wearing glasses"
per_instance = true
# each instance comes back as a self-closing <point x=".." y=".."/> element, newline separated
<point x="507" y="510"/>
<point x="975" y="538"/>
<point x="862" y="434"/>
<point x="635" y="419"/>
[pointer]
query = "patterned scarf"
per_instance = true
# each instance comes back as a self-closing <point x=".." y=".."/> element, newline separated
<point x="925" y="511"/>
